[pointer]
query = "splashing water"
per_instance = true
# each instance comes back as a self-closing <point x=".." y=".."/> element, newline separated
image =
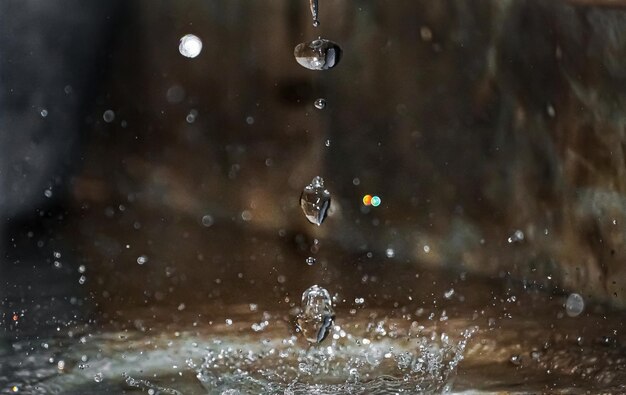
<point x="320" y="54"/>
<point x="317" y="316"/>
<point x="315" y="201"/>
<point x="314" y="12"/>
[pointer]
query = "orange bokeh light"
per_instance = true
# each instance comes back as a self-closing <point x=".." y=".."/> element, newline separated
<point x="367" y="200"/>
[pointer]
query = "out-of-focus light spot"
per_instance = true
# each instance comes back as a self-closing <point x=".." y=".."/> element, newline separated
<point x="15" y="317"/>
<point x="14" y="388"/>
<point x="190" y="46"/>
<point x="375" y="201"/>
<point x="367" y="200"/>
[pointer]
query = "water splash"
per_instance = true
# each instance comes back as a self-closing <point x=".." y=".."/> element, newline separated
<point x="320" y="54"/>
<point x="315" y="201"/>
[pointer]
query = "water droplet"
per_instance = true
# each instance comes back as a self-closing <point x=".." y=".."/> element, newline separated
<point x="98" y="377"/>
<point x="449" y="293"/>
<point x="108" y="116"/>
<point x="47" y="193"/>
<point x="320" y="103"/>
<point x="517" y="236"/>
<point x="574" y="305"/>
<point x="390" y="252"/>
<point x="327" y="142"/>
<point x="317" y="316"/>
<point x="310" y="261"/>
<point x="320" y="54"/>
<point x="190" y="46"/>
<point x="43" y="113"/>
<point x="191" y="117"/>
<point x="516" y="360"/>
<point x="207" y="220"/>
<point x="142" y="259"/>
<point x="315" y="201"/>
<point x="314" y="12"/>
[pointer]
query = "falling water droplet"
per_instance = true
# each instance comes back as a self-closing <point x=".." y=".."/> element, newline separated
<point x="317" y="316"/>
<point x="574" y="305"/>
<point x="142" y="259"/>
<point x="310" y="261"/>
<point x="320" y="103"/>
<point x="315" y="201"/>
<point x="320" y="54"/>
<point x="190" y="46"/>
<point x="108" y="116"/>
<point x="314" y="11"/>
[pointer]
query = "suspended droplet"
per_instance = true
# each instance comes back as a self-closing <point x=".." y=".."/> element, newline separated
<point x="320" y="103"/>
<point x="320" y="54"/>
<point x="314" y="11"/>
<point x="574" y="305"/>
<point x="190" y="46"/>
<point x="315" y="201"/>
<point x="310" y="261"/>
<point x="108" y="116"/>
<point x="98" y="377"/>
<point x="317" y="316"/>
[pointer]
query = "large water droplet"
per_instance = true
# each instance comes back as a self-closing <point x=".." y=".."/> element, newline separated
<point x="314" y="11"/>
<point x="574" y="305"/>
<point x="320" y="54"/>
<point x="317" y="316"/>
<point x="315" y="201"/>
<point x="190" y="46"/>
<point x="320" y="103"/>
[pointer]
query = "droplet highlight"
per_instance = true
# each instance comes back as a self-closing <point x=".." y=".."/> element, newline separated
<point x="190" y="46"/>
<point x="316" y="319"/>
<point x="315" y="201"/>
<point x="320" y="54"/>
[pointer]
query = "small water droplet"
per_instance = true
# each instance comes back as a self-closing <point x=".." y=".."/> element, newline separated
<point x="98" y="377"/>
<point x="108" y="116"/>
<point x="207" y="220"/>
<point x="320" y="54"/>
<point x="310" y="261"/>
<point x="574" y="305"/>
<point x="390" y="252"/>
<point x="313" y="4"/>
<point x="517" y="236"/>
<point x="516" y="360"/>
<point x="315" y="201"/>
<point x="320" y="103"/>
<point x="317" y="316"/>
<point x="449" y="293"/>
<point x="190" y="46"/>
<point x="43" y="113"/>
<point x="47" y="193"/>
<point x="191" y="117"/>
<point x="142" y="259"/>
<point x="327" y="142"/>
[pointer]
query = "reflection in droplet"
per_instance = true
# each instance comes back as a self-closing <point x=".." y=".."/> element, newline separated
<point x="574" y="305"/>
<point x="314" y="12"/>
<point x="190" y="46"/>
<point x="320" y="103"/>
<point x="320" y="54"/>
<point x="315" y="201"/>
<point x="317" y="316"/>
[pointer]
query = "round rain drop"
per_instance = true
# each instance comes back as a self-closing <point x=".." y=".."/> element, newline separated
<point x="320" y="54"/>
<point x="190" y="46"/>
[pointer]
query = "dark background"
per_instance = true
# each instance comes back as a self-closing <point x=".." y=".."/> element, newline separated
<point x="471" y="120"/>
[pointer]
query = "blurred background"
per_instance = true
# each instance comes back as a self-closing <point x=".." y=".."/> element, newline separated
<point x="133" y="177"/>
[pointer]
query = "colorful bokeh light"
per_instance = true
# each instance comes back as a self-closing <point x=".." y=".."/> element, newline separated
<point x="369" y="200"/>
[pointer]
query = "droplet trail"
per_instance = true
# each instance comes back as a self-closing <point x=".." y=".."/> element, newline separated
<point x="314" y="12"/>
<point x="315" y="201"/>
<point x="320" y="54"/>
